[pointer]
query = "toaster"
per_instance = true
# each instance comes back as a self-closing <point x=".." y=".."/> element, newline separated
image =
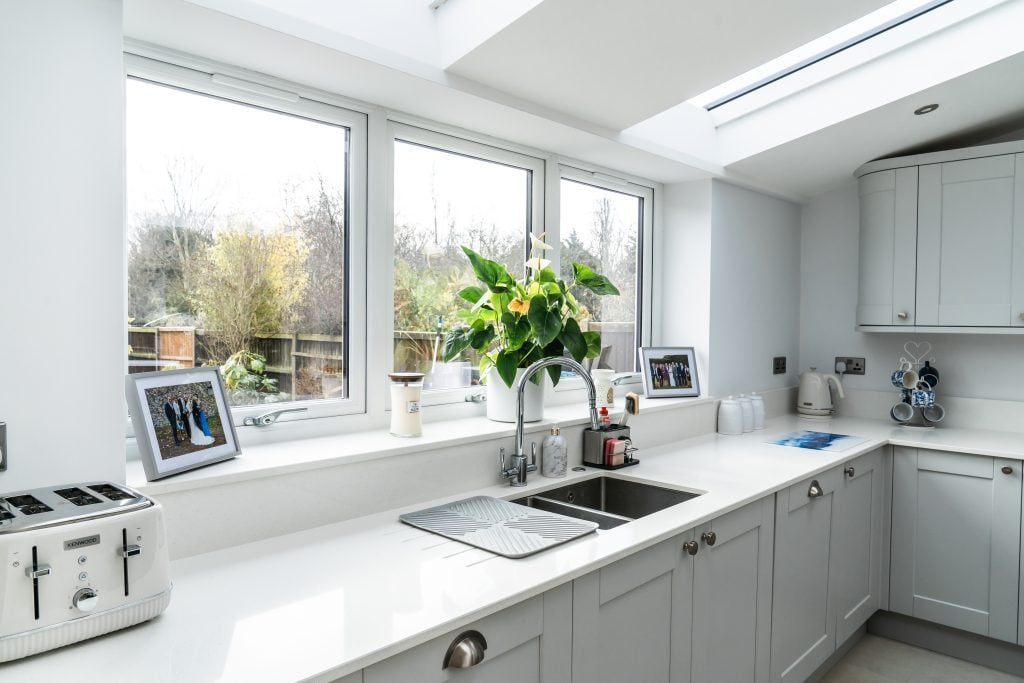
<point x="78" y="561"/>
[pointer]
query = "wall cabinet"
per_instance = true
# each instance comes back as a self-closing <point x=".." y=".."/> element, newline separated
<point x="528" y="642"/>
<point x="955" y="556"/>
<point x="828" y="563"/>
<point x="695" y="608"/>
<point x="942" y="244"/>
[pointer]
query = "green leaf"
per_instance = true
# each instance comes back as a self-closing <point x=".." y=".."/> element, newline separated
<point x="491" y="273"/>
<point x="593" y="344"/>
<point x="471" y="294"/>
<point x="595" y="282"/>
<point x="546" y="322"/>
<point x="506" y="363"/>
<point x="481" y="339"/>
<point x="546" y="275"/>
<point x="455" y="342"/>
<point x="517" y="330"/>
<point x="573" y="339"/>
<point x="553" y="350"/>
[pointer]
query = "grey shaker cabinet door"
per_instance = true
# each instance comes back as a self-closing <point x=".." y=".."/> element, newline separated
<point x="803" y="615"/>
<point x="857" y="538"/>
<point x="956" y="540"/>
<point x="631" y="619"/>
<point x="888" y="247"/>
<point x="530" y="642"/>
<point x="732" y="597"/>
<point x="970" y="241"/>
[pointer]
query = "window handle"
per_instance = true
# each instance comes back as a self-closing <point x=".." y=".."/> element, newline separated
<point x="270" y="418"/>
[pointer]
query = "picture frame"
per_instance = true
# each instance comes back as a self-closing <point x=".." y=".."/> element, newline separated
<point x="669" y="371"/>
<point x="182" y="420"/>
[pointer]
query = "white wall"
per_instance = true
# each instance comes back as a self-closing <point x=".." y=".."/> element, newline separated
<point x="682" y="269"/>
<point x="972" y="366"/>
<point x="729" y="283"/>
<point x="755" y="289"/>
<point x="62" y="317"/>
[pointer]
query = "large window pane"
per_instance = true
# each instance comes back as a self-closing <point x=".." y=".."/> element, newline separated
<point x="237" y="225"/>
<point x="443" y="201"/>
<point x="601" y="228"/>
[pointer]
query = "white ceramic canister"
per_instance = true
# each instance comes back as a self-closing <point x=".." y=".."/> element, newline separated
<point x="554" y="456"/>
<point x="406" y="392"/>
<point x="757" y="401"/>
<point x="747" y="408"/>
<point x="730" y="416"/>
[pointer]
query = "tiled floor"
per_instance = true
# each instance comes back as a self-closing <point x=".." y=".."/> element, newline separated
<point x="880" y="660"/>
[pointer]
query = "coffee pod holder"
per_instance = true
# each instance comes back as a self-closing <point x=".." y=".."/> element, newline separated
<point x="917" y="359"/>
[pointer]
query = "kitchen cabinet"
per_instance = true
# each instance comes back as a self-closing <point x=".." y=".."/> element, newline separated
<point x="528" y="642"/>
<point x="828" y="563"/>
<point x="970" y="242"/>
<point x="803" y="611"/>
<point x="861" y="569"/>
<point x="888" y="247"/>
<point x="942" y="240"/>
<point x="732" y="596"/>
<point x="631" y="619"/>
<point x="955" y="555"/>
<point x="694" y="608"/>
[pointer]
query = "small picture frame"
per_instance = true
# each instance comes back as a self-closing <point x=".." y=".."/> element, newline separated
<point x="669" y="371"/>
<point x="181" y="418"/>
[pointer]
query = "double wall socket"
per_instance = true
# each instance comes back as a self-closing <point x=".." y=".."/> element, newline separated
<point x="854" y="366"/>
<point x="779" y="365"/>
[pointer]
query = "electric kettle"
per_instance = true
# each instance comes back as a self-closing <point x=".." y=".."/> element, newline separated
<point x="814" y="397"/>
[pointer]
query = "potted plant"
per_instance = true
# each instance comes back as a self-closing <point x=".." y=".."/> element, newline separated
<point x="513" y="323"/>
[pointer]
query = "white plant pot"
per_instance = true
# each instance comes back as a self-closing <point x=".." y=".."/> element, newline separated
<point x="501" y="400"/>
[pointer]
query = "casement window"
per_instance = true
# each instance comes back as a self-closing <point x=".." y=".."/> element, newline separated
<point x="450" y="193"/>
<point x="246" y="238"/>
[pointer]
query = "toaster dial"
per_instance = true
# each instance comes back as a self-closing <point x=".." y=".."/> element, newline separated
<point x="85" y="600"/>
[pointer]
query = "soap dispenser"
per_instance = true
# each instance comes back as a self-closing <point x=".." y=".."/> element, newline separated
<point x="554" y="455"/>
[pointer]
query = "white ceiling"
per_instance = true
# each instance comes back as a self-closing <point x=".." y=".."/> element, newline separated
<point x="822" y="160"/>
<point x="617" y="63"/>
<point x="566" y="76"/>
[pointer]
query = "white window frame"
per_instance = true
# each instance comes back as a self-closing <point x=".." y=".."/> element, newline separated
<point x="635" y="187"/>
<point x="266" y="93"/>
<point x="446" y="142"/>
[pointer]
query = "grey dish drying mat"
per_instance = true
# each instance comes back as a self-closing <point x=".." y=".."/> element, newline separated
<point x="498" y="526"/>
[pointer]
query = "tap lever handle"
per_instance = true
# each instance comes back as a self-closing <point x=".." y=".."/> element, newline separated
<point x="533" y="452"/>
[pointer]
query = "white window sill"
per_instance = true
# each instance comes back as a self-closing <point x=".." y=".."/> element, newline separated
<point x="275" y="459"/>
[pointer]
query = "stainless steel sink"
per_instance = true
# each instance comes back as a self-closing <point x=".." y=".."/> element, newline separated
<point x="608" y="501"/>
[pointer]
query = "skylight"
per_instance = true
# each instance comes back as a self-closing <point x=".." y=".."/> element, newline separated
<point x="889" y="17"/>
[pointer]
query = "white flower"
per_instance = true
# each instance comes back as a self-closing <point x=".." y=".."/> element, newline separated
<point x="538" y="264"/>
<point x="536" y="244"/>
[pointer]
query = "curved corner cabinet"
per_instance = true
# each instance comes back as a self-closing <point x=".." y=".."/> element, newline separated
<point x="942" y="241"/>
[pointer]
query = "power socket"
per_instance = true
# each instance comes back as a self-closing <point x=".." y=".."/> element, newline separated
<point x="779" y="365"/>
<point x="854" y="366"/>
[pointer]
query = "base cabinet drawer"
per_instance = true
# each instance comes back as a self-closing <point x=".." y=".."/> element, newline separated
<point x="529" y="642"/>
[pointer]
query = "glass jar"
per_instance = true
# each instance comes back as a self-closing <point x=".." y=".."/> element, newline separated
<point x="406" y="392"/>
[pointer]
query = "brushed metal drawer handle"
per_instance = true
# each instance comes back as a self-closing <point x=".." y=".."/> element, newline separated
<point x="1007" y="470"/>
<point x="691" y="547"/>
<point x="709" y="537"/>
<point x="849" y="471"/>
<point x="466" y="650"/>
<point x="815" y="490"/>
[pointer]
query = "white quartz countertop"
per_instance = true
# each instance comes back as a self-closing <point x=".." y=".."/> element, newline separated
<point x="331" y="600"/>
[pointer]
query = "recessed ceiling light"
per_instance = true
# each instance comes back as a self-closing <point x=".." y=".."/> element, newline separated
<point x="926" y="109"/>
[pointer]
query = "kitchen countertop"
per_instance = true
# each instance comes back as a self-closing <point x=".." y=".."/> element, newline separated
<point x="331" y="600"/>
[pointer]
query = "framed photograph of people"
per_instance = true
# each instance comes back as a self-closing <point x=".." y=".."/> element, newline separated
<point x="669" y="371"/>
<point x="181" y="419"/>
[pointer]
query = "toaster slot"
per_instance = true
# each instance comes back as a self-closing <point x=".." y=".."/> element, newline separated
<point x="110" y="491"/>
<point x="28" y="504"/>
<point x="77" y="496"/>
